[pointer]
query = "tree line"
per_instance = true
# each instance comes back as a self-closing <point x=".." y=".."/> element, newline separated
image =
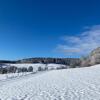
<point x="13" y="69"/>
<point x="65" y="61"/>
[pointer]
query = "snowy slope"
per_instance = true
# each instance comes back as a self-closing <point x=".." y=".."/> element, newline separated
<point x="68" y="84"/>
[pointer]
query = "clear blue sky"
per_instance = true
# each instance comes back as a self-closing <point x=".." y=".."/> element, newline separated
<point x="32" y="28"/>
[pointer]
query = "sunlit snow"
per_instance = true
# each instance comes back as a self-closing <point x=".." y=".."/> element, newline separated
<point x="66" y="84"/>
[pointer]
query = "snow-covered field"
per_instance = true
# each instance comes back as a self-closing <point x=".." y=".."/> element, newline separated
<point x="35" y="66"/>
<point x="67" y="84"/>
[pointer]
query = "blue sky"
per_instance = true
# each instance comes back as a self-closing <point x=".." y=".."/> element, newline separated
<point x="38" y="28"/>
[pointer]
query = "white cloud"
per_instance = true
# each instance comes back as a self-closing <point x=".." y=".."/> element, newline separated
<point x="81" y="44"/>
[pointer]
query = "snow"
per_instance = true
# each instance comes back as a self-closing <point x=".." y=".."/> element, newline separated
<point x="35" y="66"/>
<point x="13" y="75"/>
<point x="66" y="84"/>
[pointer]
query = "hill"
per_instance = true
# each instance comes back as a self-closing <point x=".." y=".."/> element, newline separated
<point x="65" y="61"/>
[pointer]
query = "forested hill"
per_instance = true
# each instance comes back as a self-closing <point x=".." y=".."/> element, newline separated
<point x="66" y="61"/>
